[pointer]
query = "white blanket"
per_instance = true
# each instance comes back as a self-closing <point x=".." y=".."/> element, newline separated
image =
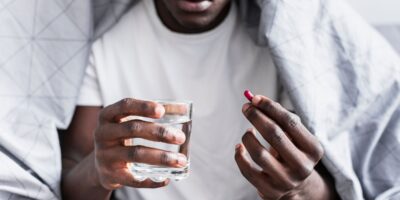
<point x="342" y="77"/>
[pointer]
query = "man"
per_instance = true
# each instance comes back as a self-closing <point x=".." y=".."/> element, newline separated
<point x="170" y="49"/>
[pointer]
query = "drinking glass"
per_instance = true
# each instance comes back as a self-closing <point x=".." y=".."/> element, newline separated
<point x="178" y="115"/>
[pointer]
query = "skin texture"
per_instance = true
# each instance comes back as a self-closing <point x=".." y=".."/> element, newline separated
<point x="93" y="148"/>
<point x="287" y="169"/>
<point x="181" y="21"/>
<point x="95" y="159"/>
<point x="94" y="163"/>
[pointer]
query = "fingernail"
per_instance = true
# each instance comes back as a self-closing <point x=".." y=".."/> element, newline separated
<point x="250" y="130"/>
<point x="182" y="160"/>
<point x="178" y="135"/>
<point x="237" y="147"/>
<point x="159" y="110"/>
<point x="245" y="107"/>
<point x="256" y="100"/>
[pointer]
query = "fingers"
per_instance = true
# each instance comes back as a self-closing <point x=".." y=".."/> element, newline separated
<point x="112" y="156"/>
<point x="140" y="129"/>
<point x="298" y="151"/>
<point x="145" y="184"/>
<point x="263" y="158"/>
<point x="176" y="109"/>
<point x="151" y="156"/>
<point x="129" y="106"/>
<point x="124" y="177"/>
<point x="255" y="176"/>
<point x="290" y="123"/>
<point x="274" y="135"/>
<point x="114" y="173"/>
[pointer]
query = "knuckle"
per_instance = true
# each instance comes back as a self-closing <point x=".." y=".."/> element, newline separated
<point x="147" y="106"/>
<point x="268" y="105"/>
<point x="285" y="183"/>
<point x="292" y="120"/>
<point x="162" y="133"/>
<point x="165" y="159"/>
<point x="290" y="185"/>
<point x="304" y="171"/>
<point x="286" y="188"/>
<point x="125" y="104"/>
<point x="318" y="153"/>
<point x="276" y="135"/>
<point x="263" y="159"/>
<point x="275" y="129"/>
<point x="134" y="127"/>
<point x="260" y="156"/>
<point x="135" y="153"/>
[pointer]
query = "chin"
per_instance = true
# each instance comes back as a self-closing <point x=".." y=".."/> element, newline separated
<point x="195" y="23"/>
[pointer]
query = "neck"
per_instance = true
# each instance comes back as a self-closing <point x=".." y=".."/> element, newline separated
<point x="171" y="23"/>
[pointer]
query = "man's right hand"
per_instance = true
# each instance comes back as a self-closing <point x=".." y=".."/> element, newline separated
<point x="112" y="156"/>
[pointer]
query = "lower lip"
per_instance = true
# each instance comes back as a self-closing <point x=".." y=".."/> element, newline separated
<point x="190" y="6"/>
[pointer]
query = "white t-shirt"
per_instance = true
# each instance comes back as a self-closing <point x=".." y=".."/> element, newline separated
<point x="143" y="59"/>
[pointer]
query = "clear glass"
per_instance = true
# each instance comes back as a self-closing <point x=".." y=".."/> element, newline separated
<point x="178" y="115"/>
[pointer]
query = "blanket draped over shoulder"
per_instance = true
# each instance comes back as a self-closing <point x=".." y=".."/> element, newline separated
<point x="341" y="75"/>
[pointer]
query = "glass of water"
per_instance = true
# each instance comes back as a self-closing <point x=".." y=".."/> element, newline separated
<point x="178" y="115"/>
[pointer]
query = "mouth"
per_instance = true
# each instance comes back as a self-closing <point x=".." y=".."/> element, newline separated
<point x="194" y="5"/>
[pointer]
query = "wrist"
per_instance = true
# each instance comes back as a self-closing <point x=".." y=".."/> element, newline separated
<point x="94" y="177"/>
<point x="316" y="187"/>
<point x="82" y="181"/>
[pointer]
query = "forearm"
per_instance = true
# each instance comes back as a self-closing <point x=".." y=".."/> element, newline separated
<point x="81" y="182"/>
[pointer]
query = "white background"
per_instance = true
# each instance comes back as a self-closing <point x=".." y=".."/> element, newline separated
<point x="378" y="12"/>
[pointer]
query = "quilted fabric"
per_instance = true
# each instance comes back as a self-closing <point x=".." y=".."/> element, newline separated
<point x="342" y="77"/>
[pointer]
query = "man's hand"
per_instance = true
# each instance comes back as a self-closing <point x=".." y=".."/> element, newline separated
<point x="112" y="156"/>
<point x="286" y="170"/>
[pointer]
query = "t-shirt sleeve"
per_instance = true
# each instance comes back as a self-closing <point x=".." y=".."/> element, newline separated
<point x="90" y="94"/>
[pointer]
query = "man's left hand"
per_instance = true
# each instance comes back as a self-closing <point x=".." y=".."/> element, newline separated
<point x="286" y="170"/>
